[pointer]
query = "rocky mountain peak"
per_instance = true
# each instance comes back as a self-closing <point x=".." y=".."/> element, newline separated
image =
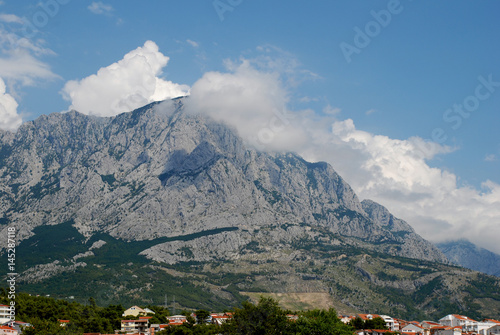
<point x="161" y="171"/>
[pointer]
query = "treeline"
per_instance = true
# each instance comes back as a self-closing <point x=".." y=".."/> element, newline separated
<point x="265" y="317"/>
<point x="44" y="314"/>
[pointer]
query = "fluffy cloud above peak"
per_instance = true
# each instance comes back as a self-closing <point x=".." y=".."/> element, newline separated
<point x="253" y="102"/>
<point x="394" y="172"/>
<point x="9" y="119"/>
<point x="125" y="85"/>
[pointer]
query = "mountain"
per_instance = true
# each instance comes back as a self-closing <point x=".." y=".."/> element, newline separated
<point x="470" y="256"/>
<point x="160" y="201"/>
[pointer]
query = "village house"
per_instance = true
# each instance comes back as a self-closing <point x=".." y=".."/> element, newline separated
<point x="134" y="326"/>
<point x="372" y="332"/>
<point x="413" y="329"/>
<point x="63" y="323"/>
<point x="136" y="311"/>
<point x="429" y="324"/>
<point x="17" y="325"/>
<point x="176" y="320"/>
<point x="391" y="323"/>
<point x="483" y="326"/>
<point x="6" y="330"/>
<point x="220" y="318"/>
<point x="494" y="330"/>
<point x="446" y="330"/>
<point x="346" y="318"/>
<point x="4" y="314"/>
<point x="455" y="320"/>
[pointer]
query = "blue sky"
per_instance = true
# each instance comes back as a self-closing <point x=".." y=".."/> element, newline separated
<point x="409" y="67"/>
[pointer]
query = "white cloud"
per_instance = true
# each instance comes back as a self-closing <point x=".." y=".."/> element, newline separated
<point x="329" y="110"/>
<point x="370" y="112"/>
<point x="252" y="101"/>
<point x="307" y="99"/>
<point x="125" y="85"/>
<point x="99" y="8"/>
<point x="491" y="158"/>
<point x="9" y="119"/>
<point x="10" y="18"/>
<point x="20" y="59"/>
<point x="394" y="172"/>
<point x="193" y="43"/>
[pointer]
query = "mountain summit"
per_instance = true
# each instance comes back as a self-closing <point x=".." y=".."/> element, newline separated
<point x="159" y="172"/>
<point x="160" y="201"/>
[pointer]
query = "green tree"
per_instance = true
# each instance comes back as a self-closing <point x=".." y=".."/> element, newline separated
<point x="265" y="318"/>
<point x="320" y="322"/>
<point x="357" y="323"/>
<point x="202" y="316"/>
<point x="375" y="323"/>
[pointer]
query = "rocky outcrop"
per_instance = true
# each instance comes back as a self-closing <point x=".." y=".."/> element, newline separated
<point x="161" y="172"/>
<point x="412" y="244"/>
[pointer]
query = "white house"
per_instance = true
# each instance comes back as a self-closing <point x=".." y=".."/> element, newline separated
<point x="134" y="326"/>
<point x="445" y="330"/>
<point x="391" y="323"/>
<point x="483" y="326"/>
<point x="4" y="314"/>
<point x="413" y="329"/>
<point x="455" y="320"/>
<point x="6" y="330"/>
<point x="493" y="330"/>
<point x="136" y="311"/>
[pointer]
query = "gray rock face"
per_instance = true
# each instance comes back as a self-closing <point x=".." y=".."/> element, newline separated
<point x="161" y="172"/>
<point x="469" y="255"/>
<point x="412" y="244"/>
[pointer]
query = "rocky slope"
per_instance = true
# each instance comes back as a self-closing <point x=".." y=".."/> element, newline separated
<point x="159" y="201"/>
<point x="161" y="172"/>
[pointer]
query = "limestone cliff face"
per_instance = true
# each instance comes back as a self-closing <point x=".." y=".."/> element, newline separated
<point x="161" y="172"/>
<point x="412" y="244"/>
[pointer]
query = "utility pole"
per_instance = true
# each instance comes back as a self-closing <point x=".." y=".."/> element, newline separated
<point x="173" y="307"/>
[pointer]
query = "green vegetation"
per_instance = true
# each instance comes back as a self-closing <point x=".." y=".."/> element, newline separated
<point x="266" y="317"/>
<point x="109" y="179"/>
<point x="375" y="323"/>
<point x="43" y="313"/>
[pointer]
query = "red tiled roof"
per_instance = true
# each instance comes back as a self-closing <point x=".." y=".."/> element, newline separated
<point x="492" y="320"/>
<point x="365" y="316"/>
<point x="462" y="317"/>
<point x="6" y="328"/>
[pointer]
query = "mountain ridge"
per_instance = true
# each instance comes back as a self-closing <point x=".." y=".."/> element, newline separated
<point x="470" y="256"/>
<point x="159" y="200"/>
<point x="171" y="155"/>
